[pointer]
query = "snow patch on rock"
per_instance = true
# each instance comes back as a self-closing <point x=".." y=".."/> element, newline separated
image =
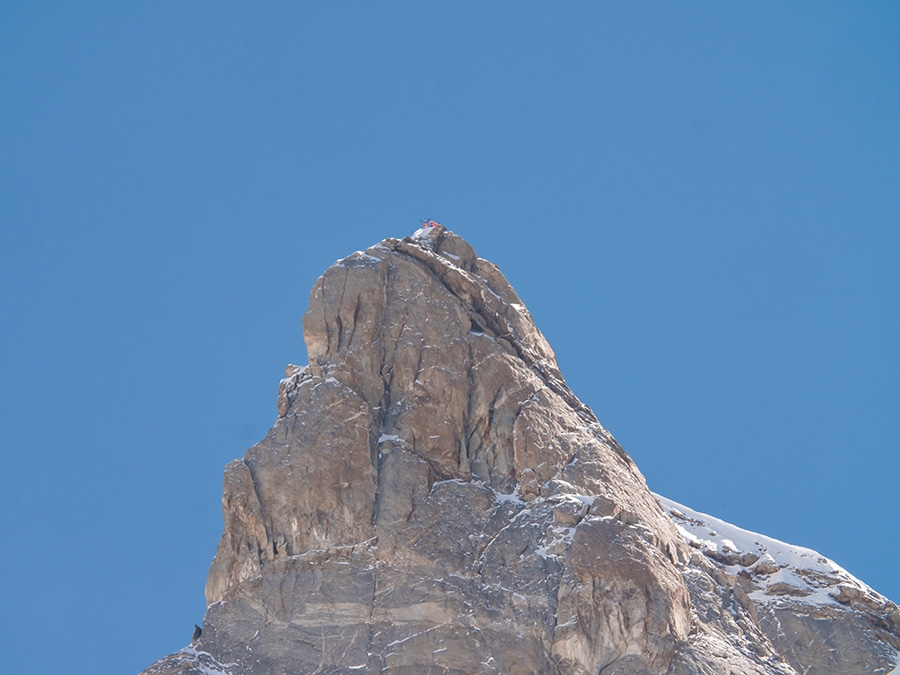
<point x="777" y="568"/>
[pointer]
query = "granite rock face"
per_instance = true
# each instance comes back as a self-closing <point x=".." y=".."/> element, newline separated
<point x="434" y="499"/>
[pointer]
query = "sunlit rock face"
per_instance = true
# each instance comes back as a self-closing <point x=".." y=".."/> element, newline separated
<point x="434" y="499"/>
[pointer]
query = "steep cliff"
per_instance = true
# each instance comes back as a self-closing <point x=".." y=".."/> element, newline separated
<point x="434" y="499"/>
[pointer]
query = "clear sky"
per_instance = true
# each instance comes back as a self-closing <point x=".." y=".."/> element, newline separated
<point x="699" y="202"/>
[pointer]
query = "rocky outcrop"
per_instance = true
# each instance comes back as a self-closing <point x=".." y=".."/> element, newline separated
<point x="816" y="614"/>
<point x="434" y="499"/>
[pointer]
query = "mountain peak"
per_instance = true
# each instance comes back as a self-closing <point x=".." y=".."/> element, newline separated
<point x="434" y="498"/>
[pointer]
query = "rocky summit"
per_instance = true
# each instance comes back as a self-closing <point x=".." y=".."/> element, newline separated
<point x="434" y="499"/>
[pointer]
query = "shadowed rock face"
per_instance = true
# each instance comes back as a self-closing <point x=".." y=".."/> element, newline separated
<point x="434" y="499"/>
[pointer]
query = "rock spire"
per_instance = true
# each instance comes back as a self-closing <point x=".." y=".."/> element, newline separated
<point x="433" y="498"/>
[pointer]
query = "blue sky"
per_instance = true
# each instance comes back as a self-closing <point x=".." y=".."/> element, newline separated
<point x="698" y="202"/>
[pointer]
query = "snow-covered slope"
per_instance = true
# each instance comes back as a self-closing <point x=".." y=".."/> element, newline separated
<point x="797" y="592"/>
<point x="777" y="569"/>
